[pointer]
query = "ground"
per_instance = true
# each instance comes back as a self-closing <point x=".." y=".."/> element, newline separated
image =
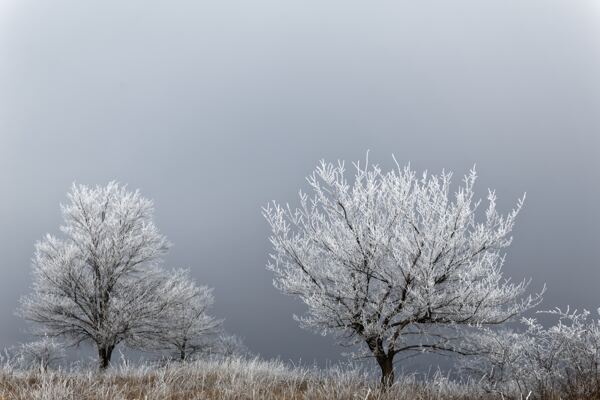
<point x="236" y="378"/>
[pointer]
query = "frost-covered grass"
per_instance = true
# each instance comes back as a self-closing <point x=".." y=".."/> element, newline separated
<point x="236" y="378"/>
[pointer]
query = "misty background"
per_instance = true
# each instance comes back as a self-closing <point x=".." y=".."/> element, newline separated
<point x="214" y="108"/>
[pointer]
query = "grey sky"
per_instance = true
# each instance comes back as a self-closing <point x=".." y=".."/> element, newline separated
<point x="214" y="108"/>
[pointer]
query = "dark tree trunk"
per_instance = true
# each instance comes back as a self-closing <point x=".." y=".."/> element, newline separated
<point x="104" y="355"/>
<point x="384" y="359"/>
<point x="182" y="350"/>
<point x="386" y="363"/>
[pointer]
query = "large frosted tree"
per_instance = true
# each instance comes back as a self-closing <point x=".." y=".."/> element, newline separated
<point x="393" y="261"/>
<point x="101" y="281"/>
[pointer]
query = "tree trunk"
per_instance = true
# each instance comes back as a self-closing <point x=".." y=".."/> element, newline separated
<point x="104" y="354"/>
<point x="183" y="349"/>
<point x="386" y="363"/>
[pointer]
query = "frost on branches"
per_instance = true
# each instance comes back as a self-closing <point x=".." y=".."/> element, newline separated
<point x="41" y="354"/>
<point x="101" y="281"/>
<point x="393" y="261"/>
<point x="561" y="361"/>
<point x="188" y="329"/>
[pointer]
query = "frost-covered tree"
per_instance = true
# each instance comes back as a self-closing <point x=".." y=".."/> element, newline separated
<point x="393" y="261"/>
<point x="187" y="329"/>
<point x="496" y="360"/>
<point x="100" y="282"/>
<point x="222" y="346"/>
<point x="42" y="354"/>
<point x="229" y="345"/>
<point x="561" y="361"/>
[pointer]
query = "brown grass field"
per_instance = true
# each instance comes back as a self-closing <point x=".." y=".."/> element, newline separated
<point x="220" y="380"/>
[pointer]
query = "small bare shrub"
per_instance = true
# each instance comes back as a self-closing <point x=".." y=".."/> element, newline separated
<point x="546" y="363"/>
<point x="41" y="354"/>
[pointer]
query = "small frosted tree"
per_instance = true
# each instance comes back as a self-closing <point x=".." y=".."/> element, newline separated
<point x="561" y="361"/>
<point x="187" y="329"/>
<point x="222" y="346"/>
<point x="392" y="261"/>
<point x="496" y="360"/>
<point x="100" y="282"/>
<point x="42" y="354"/>
<point x="229" y="345"/>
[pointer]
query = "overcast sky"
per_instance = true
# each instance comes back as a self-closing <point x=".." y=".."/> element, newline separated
<point x="214" y="108"/>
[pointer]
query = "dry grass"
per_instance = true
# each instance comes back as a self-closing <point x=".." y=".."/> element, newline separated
<point x="222" y="380"/>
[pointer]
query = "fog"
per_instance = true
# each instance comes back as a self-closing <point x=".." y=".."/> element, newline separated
<point x="212" y="109"/>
